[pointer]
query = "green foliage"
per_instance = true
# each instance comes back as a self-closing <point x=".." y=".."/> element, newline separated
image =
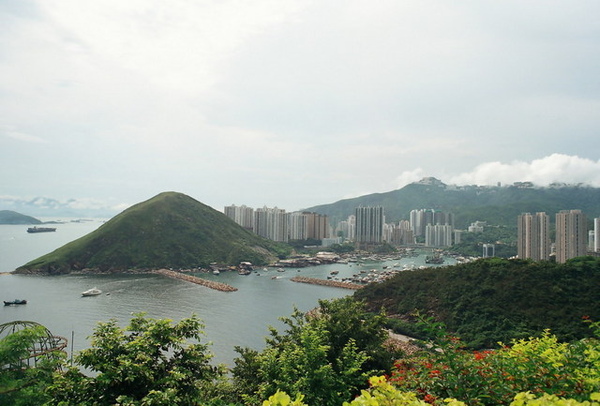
<point x="148" y="363"/>
<point x="382" y="393"/>
<point x="495" y="299"/>
<point x="528" y="399"/>
<point x="21" y="384"/>
<point x="170" y="230"/>
<point x="327" y="356"/>
<point x="503" y="237"/>
<point x="538" y="365"/>
<point x="283" y="399"/>
<point x="342" y="248"/>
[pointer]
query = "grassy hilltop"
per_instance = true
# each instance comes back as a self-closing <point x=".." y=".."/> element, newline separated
<point x="170" y="230"/>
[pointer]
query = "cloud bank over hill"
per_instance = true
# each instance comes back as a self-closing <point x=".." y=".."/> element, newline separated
<point x="552" y="169"/>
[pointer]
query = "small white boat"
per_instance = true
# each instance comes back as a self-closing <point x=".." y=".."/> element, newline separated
<point x="91" y="292"/>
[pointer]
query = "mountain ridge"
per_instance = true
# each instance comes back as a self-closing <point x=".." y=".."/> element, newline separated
<point x="495" y="204"/>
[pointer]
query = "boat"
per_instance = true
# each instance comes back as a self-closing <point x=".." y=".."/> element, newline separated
<point x="434" y="259"/>
<point x="35" y="229"/>
<point x="15" y="302"/>
<point x="91" y="292"/>
<point x="216" y="272"/>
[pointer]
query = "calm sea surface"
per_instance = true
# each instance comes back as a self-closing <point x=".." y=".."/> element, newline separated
<point x="231" y="319"/>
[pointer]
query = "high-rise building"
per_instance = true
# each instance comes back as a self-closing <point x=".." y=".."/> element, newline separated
<point x="298" y="226"/>
<point x="597" y="234"/>
<point x="271" y="223"/>
<point x="533" y="236"/>
<point x="438" y="235"/>
<point x="571" y="235"/>
<point x="369" y="224"/>
<point x="421" y="218"/>
<point x="242" y="215"/>
<point x="305" y="225"/>
<point x="318" y="226"/>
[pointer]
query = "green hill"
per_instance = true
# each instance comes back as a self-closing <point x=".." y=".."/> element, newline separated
<point x="171" y="230"/>
<point x="12" y="217"/>
<point x="493" y="300"/>
<point x="496" y="205"/>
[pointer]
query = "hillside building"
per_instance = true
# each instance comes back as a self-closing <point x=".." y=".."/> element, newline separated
<point x="438" y="235"/>
<point x="596" y="234"/>
<point x="571" y="235"/>
<point x="533" y="236"/>
<point x="421" y="218"/>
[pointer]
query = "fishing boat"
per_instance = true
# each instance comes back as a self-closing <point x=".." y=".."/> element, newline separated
<point x="91" y="292"/>
<point x="15" y="302"/>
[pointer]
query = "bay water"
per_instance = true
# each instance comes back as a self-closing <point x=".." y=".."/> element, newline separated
<point x="231" y="319"/>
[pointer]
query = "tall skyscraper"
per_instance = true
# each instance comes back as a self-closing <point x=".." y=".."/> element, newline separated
<point x="571" y="235"/>
<point x="271" y="223"/>
<point x="242" y="215"/>
<point x="597" y="234"/>
<point x="533" y="236"/>
<point x="438" y="235"/>
<point x="369" y="224"/>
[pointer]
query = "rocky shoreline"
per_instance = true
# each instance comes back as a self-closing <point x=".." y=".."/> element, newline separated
<point x="323" y="282"/>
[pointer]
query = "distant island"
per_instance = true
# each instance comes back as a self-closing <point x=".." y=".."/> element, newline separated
<point x="14" y="218"/>
<point x="171" y="230"/>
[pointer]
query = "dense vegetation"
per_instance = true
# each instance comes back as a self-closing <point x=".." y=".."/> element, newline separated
<point x="170" y="230"/>
<point x="496" y="205"/>
<point x="504" y="239"/>
<point x="495" y="299"/>
<point x="12" y="217"/>
<point x="322" y="359"/>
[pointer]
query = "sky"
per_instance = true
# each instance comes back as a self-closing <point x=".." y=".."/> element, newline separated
<point x="292" y="104"/>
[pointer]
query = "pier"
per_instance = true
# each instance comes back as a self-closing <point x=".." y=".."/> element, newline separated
<point x="223" y="287"/>
<point x="328" y="282"/>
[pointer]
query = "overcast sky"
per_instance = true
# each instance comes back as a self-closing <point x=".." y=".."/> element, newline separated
<point x="293" y="103"/>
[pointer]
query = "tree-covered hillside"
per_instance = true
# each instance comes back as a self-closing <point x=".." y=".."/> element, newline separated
<point x="171" y="230"/>
<point x="493" y="300"/>
<point x="496" y="205"/>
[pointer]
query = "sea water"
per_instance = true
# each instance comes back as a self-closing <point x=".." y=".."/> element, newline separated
<point x="231" y="319"/>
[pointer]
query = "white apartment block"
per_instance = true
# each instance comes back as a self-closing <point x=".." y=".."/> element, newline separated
<point x="533" y="236"/>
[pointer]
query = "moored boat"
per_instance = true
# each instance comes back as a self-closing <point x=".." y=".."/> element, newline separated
<point x="15" y="302"/>
<point x="91" y="292"/>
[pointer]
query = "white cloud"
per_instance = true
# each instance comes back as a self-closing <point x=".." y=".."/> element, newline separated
<point x="407" y="177"/>
<point x="544" y="171"/>
<point x="11" y="132"/>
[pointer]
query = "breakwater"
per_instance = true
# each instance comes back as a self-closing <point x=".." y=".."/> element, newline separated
<point x="223" y="287"/>
<point x="335" y="284"/>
